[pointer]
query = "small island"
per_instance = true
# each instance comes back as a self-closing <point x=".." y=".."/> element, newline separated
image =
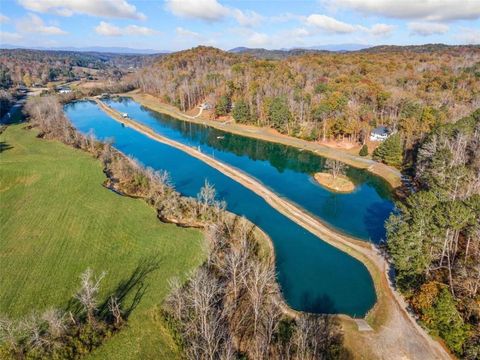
<point x="334" y="178"/>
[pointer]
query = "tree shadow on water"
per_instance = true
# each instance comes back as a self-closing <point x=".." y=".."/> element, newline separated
<point x="320" y="304"/>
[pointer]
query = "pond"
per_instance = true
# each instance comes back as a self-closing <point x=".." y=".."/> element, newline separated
<point x="284" y="169"/>
<point x="313" y="275"/>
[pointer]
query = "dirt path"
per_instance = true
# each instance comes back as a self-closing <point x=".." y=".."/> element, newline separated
<point x="396" y="335"/>
<point x="391" y="175"/>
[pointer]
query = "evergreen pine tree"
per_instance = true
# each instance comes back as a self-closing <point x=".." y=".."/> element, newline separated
<point x="223" y="106"/>
<point x="390" y="151"/>
<point x="241" y="112"/>
<point x="363" y="150"/>
<point x="279" y="114"/>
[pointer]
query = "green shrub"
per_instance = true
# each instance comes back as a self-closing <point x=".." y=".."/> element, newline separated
<point x="363" y="150"/>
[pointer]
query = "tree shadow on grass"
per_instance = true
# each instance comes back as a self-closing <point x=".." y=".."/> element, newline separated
<point x="4" y="146"/>
<point x="128" y="292"/>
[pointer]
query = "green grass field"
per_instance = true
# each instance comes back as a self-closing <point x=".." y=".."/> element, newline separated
<point x="57" y="219"/>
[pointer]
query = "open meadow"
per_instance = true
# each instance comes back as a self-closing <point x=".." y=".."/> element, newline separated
<point x="57" y="220"/>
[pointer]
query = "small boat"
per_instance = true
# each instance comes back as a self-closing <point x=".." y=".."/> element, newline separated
<point x="220" y="137"/>
<point x="125" y="115"/>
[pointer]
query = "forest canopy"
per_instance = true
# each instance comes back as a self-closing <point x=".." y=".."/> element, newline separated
<point x="316" y="96"/>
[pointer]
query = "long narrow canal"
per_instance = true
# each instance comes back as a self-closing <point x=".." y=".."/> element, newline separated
<point x="313" y="275"/>
<point x="285" y="170"/>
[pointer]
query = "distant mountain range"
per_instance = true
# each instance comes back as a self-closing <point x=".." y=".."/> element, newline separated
<point x="256" y="52"/>
<point x="282" y="53"/>
<point x="100" y="49"/>
<point x="331" y="47"/>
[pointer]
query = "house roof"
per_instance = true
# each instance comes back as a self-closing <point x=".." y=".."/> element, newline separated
<point x="381" y="130"/>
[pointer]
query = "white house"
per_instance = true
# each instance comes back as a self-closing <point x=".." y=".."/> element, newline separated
<point x="206" y="106"/>
<point x="64" y="89"/>
<point x="380" y="133"/>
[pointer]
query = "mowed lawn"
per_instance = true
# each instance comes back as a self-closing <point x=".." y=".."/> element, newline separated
<point x="57" y="219"/>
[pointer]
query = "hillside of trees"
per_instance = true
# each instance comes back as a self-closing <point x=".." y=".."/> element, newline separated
<point x="29" y="67"/>
<point x="326" y="95"/>
<point x="434" y="237"/>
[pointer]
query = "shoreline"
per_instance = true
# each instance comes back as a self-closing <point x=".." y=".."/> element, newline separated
<point x="391" y="175"/>
<point x="389" y="303"/>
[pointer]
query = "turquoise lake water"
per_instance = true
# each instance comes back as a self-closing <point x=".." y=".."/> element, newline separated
<point x="313" y="275"/>
<point x="284" y="169"/>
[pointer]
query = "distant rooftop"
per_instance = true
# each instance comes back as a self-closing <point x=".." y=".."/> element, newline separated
<point x="381" y="130"/>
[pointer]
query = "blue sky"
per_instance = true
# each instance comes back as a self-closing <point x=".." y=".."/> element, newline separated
<point x="273" y="24"/>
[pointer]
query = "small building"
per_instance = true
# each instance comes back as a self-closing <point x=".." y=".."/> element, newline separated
<point x="64" y="89"/>
<point x="206" y="106"/>
<point x="125" y="115"/>
<point x="380" y="133"/>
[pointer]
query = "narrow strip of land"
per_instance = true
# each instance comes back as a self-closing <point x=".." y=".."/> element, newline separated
<point x="390" y="174"/>
<point x="389" y="316"/>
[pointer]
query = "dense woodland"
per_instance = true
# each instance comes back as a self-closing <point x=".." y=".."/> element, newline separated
<point x="326" y="95"/>
<point x="434" y="236"/>
<point x="30" y="67"/>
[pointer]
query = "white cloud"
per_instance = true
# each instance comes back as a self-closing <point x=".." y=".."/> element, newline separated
<point x="104" y="8"/>
<point x="34" y="24"/>
<point x="8" y="37"/>
<point x="427" y="28"/>
<point x="247" y="17"/>
<point x="186" y="33"/>
<point x="139" y="30"/>
<point x="208" y="10"/>
<point x="286" y="17"/>
<point x="258" y="39"/>
<point x="329" y="24"/>
<point x="211" y="11"/>
<point x="469" y="36"/>
<point x="300" y="32"/>
<point x="4" y="19"/>
<point x="432" y="10"/>
<point x="381" y="29"/>
<point x="316" y="23"/>
<point x="108" y="29"/>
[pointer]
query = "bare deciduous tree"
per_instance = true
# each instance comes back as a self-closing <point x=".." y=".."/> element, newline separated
<point x="334" y="167"/>
<point x="87" y="295"/>
<point x="115" y="310"/>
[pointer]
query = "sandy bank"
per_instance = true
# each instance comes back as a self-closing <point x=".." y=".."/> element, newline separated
<point x="339" y="184"/>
